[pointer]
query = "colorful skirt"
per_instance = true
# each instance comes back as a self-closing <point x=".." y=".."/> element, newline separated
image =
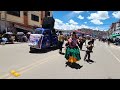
<point x="72" y="54"/>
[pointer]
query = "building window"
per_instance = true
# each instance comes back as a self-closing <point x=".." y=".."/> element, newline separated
<point x="34" y="18"/>
<point x="15" y="13"/>
<point x="25" y="13"/>
<point x="47" y="13"/>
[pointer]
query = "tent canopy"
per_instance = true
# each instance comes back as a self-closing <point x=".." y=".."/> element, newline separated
<point x="114" y="35"/>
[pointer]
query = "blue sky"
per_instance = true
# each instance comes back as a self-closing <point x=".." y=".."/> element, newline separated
<point x="98" y="20"/>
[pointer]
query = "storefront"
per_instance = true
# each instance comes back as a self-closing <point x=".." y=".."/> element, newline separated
<point x="22" y="28"/>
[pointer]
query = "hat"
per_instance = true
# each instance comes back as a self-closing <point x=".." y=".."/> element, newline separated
<point x="74" y="33"/>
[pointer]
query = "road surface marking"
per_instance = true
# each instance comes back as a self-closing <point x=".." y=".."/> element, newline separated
<point x="34" y="63"/>
<point x="26" y="66"/>
<point x="33" y="66"/>
<point x="114" y="55"/>
<point x="7" y="76"/>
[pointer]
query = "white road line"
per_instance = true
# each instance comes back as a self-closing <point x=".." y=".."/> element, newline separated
<point x="114" y="55"/>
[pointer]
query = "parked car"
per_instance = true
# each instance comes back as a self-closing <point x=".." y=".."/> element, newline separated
<point x="8" y="37"/>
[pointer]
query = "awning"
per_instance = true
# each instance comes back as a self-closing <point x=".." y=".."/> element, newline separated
<point x="118" y="37"/>
<point x="114" y="35"/>
<point x="22" y="27"/>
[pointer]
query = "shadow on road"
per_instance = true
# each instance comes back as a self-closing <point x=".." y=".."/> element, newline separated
<point x="43" y="50"/>
<point x="62" y="53"/>
<point x="83" y="50"/>
<point x="90" y="61"/>
<point x="73" y="65"/>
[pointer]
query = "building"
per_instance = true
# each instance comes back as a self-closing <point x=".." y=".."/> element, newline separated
<point x="22" y="21"/>
<point x="114" y="28"/>
<point x="117" y="30"/>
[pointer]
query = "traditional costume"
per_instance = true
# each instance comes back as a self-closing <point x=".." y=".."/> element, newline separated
<point x="72" y="53"/>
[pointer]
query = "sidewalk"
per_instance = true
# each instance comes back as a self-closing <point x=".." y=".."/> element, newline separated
<point x="15" y="43"/>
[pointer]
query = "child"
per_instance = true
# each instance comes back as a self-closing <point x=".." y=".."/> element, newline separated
<point x="88" y="51"/>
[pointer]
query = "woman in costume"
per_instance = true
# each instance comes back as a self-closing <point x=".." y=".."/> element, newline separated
<point x="72" y="53"/>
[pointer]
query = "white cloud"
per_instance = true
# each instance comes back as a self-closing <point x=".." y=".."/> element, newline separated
<point x="116" y="14"/>
<point x="95" y="21"/>
<point x="72" y="22"/>
<point x="83" y="26"/>
<point x="85" y="22"/>
<point x="58" y="21"/>
<point x="71" y="26"/>
<point x="67" y="23"/>
<point x="78" y="12"/>
<point x="80" y="17"/>
<point x="100" y="15"/>
<point x="73" y="14"/>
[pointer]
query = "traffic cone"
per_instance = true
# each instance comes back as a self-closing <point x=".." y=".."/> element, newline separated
<point x="12" y="71"/>
<point x="16" y="74"/>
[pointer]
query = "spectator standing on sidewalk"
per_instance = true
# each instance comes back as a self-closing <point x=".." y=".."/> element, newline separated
<point x="60" y="41"/>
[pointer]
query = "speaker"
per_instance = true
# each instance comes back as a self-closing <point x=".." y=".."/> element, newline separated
<point x="48" y="22"/>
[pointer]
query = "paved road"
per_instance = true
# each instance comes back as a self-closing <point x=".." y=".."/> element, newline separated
<point x="51" y="65"/>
